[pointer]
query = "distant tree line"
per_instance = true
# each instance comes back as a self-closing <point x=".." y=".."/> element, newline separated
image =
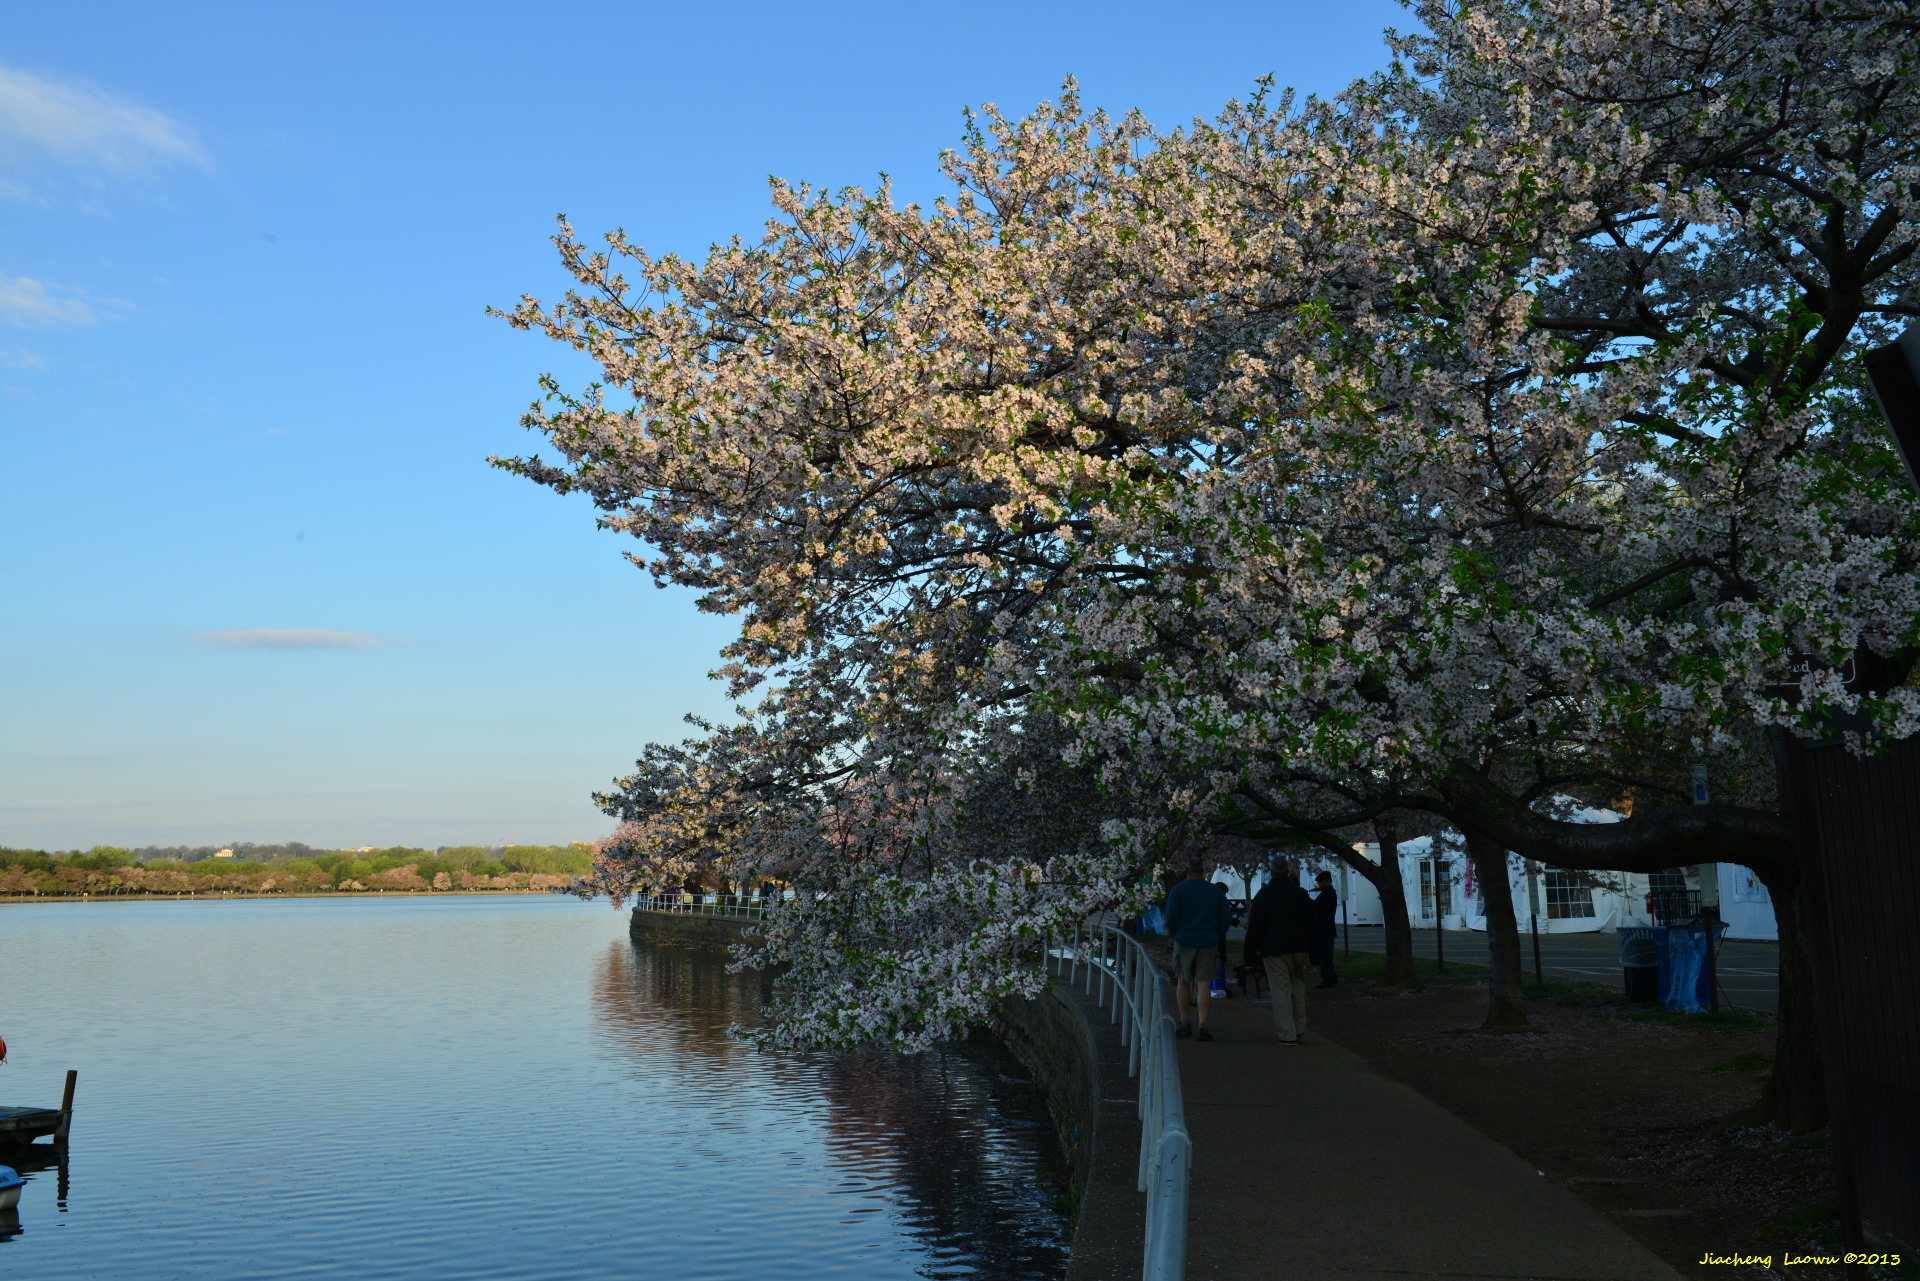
<point x="292" y="868"/>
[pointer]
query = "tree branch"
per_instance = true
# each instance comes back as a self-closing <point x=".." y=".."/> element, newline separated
<point x="1645" y="843"/>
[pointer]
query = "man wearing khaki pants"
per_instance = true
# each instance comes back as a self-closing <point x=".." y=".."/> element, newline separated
<point x="1280" y="934"/>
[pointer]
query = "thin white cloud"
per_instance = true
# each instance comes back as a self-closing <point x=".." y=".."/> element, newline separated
<point x="26" y="303"/>
<point x="83" y="125"/>
<point x="22" y="360"/>
<point x="290" y="638"/>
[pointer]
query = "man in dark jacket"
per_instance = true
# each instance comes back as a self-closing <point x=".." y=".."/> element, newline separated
<point x="1280" y="935"/>
<point x="1325" y="904"/>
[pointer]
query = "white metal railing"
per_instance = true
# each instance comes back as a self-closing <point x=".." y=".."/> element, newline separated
<point x="744" y="906"/>
<point x="1115" y="969"/>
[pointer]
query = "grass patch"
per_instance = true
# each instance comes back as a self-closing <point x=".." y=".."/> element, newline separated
<point x="1755" y="1061"/>
<point x="1723" y="1021"/>
<point x="1813" y="1225"/>
<point x="1805" y="1143"/>
<point x="1372" y="967"/>
<point x="1571" y="991"/>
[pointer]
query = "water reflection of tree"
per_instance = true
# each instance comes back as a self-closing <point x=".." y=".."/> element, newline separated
<point x="673" y="999"/>
<point x="955" y="1144"/>
<point x="967" y="1144"/>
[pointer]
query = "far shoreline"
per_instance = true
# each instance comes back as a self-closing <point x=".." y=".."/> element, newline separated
<point x="6" y="899"/>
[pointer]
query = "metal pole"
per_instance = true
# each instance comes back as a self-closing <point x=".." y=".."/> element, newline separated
<point x="1346" y="922"/>
<point x="1709" y="912"/>
<point x="1538" y="980"/>
<point x="1709" y="919"/>
<point x="1439" y="919"/>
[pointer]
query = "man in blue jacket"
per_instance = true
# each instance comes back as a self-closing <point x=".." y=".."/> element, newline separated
<point x="1197" y="919"/>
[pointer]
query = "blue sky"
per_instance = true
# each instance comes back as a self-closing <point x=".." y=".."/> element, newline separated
<point x="257" y="581"/>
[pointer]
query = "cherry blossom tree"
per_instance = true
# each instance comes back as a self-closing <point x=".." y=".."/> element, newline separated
<point x="1766" y="231"/>
<point x="1611" y="501"/>
<point x="1488" y="434"/>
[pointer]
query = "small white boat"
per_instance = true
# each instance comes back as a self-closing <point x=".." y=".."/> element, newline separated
<point x="10" y="1185"/>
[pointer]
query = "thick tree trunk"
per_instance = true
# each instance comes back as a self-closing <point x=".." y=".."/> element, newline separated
<point x="1399" y="929"/>
<point x="1384" y="876"/>
<point x="1385" y="879"/>
<point x="1795" y="1097"/>
<point x="1506" y="1002"/>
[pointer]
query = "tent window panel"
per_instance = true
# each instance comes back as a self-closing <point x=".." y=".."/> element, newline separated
<point x="1667" y="881"/>
<point x="1569" y="895"/>
<point x="1428" y="904"/>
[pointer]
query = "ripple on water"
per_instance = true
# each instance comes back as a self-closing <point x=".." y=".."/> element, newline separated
<point x="486" y="1088"/>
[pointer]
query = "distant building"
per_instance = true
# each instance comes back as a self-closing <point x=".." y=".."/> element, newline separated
<point x="223" y="853"/>
<point x="1563" y="902"/>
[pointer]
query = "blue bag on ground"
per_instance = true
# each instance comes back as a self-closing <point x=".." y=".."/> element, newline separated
<point x="1686" y="952"/>
<point x="1684" y="971"/>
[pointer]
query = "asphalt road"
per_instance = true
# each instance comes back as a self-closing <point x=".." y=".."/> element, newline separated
<point x="1748" y="970"/>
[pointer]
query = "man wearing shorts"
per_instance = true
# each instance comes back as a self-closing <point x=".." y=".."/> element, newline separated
<point x="1197" y="919"/>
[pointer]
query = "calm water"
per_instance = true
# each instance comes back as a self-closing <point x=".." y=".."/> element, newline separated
<point x="479" y="1087"/>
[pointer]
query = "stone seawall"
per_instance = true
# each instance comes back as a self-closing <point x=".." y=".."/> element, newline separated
<point x="685" y="927"/>
<point x="1080" y="1067"/>
<point x="1055" y="1045"/>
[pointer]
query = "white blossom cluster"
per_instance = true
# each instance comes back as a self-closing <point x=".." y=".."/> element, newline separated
<point x="1491" y="432"/>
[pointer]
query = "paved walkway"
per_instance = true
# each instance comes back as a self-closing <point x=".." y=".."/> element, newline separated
<point x="1309" y="1164"/>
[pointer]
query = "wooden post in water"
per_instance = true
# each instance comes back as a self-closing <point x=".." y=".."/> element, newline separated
<point x="66" y="1108"/>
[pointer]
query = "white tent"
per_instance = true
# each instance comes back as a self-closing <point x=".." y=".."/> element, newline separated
<point x="1745" y="905"/>
<point x="1563" y="902"/>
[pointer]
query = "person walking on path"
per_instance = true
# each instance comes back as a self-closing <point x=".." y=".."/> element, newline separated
<point x="1325" y="904"/>
<point x="1280" y="935"/>
<point x="1217" y="985"/>
<point x="1196" y="919"/>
